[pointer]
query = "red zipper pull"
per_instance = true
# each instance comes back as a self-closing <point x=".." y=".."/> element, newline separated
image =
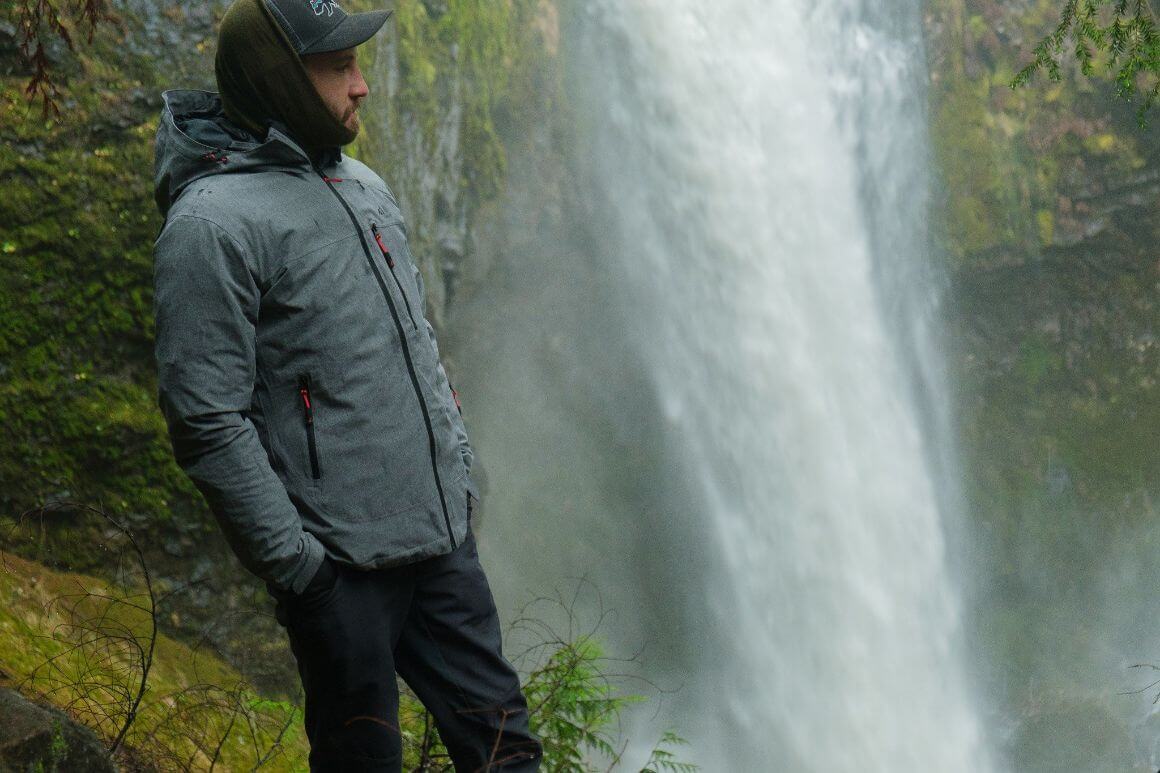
<point x="307" y="408"/>
<point x="383" y="247"/>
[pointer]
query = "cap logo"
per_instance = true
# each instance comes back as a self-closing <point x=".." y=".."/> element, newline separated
<point x="323" y="6"/>
<point x="320" y="26"/>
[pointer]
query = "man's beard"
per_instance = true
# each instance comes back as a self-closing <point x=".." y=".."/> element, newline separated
<point x="351" y="121"/>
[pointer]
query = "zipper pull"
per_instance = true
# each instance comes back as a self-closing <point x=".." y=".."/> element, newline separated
<point x="304" y="391"/>
<point x="383" y="247"/>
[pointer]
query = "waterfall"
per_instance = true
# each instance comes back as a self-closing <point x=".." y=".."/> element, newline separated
<point x="712" y="389"/>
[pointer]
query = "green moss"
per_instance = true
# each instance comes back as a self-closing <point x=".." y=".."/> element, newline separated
<point x="1000" y="152"/>
<point x="1037" y="360"/>
<point x="977" y="26"/>
<point x="466" y="54"/>
<point x="1045" y="219"/>
<point x="1060" y="406"/>
<point x="77" y="397"/>
<point x="983" y="209"/>
<point x="77" y="385"/>
<point x="444" y="77"/>
<point x="59" y="746"/>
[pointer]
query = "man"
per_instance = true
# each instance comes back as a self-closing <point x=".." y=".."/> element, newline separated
<point x="304" y="395"/>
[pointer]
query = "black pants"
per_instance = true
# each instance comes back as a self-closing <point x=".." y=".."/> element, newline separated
<point x="434" y="623"/>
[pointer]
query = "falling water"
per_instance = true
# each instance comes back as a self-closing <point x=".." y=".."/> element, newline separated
<point x="711" y="389"/>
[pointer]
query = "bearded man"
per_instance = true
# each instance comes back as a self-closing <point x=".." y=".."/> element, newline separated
<point x="305" y="398"/>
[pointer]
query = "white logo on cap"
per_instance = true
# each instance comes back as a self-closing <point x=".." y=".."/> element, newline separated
<point x="322" y="5"/>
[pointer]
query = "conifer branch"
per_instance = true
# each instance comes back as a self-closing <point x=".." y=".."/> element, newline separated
<point x="1130" y="38"/>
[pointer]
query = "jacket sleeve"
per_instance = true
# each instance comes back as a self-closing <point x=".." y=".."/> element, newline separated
<point x="460" y="430"/>
<point x="206" y="300"/>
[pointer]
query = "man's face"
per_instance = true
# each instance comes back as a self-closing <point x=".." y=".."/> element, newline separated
<point x="339" y="82"/>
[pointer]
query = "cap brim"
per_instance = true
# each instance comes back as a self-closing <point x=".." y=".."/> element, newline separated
<point x="354" y="30"/>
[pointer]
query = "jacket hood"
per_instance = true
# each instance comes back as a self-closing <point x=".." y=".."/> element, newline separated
<point x="196" y="140"/>
<point x="262" y="80"/>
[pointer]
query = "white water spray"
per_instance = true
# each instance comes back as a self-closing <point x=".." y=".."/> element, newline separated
<point x="750" y="481"/>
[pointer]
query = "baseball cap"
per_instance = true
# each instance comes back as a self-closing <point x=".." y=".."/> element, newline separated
<point x="318" y="26"/>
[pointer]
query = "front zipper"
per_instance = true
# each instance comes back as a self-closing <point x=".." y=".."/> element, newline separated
<point x="391" y="265"/>
<point x="308" y="417"/>
<point x="402" y="342"/>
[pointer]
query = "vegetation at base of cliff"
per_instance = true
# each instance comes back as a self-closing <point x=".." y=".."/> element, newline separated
<point x="90" y="646"/>
<point x="72" y="640"/>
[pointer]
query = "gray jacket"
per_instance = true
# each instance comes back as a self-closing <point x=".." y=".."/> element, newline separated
<point x="298" y="376"/>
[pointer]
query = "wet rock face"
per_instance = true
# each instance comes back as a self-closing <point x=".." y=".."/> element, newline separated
<point x="33" y="737"/>
<point x="1049" y="229"/>
<point x="1097" y="203"/>
<point x="444" y="80"/>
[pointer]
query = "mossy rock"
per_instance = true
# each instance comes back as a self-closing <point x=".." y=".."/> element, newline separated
<point x="45" y="740"/>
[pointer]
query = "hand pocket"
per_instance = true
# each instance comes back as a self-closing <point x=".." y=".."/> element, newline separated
<point x="321" y="586"/>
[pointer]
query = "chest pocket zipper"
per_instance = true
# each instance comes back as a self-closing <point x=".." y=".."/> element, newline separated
<point x="391" y="265"/>
<point x="308" y="418"/>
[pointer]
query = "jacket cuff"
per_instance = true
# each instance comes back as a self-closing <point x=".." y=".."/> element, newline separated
<point x="315" y="553"/>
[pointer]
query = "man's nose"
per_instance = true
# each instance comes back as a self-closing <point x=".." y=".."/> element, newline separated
<point x="358" y="88"/>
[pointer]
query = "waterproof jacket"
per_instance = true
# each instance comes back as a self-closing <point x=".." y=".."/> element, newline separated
<point x="299" y="379"/>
